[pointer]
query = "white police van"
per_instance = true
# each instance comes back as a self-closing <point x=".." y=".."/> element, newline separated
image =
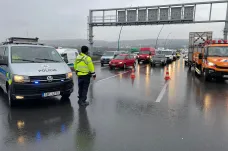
<point x="31" y="70"/>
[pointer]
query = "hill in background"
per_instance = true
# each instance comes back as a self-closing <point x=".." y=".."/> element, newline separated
<point x="175" y="43"/>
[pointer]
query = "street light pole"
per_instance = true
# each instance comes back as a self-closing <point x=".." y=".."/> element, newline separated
<point x="158" y="37"/>
<point x="119" y="38"/>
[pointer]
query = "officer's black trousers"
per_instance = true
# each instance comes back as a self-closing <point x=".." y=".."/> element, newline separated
<point x="83" y="85"/>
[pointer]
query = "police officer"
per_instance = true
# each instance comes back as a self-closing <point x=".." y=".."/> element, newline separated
<point x="85" y="70"/>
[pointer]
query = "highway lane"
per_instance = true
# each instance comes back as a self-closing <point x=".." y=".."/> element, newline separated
<point x="124" y="115"/>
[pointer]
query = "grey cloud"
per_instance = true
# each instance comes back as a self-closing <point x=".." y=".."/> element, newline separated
<point x="58" y="19"/>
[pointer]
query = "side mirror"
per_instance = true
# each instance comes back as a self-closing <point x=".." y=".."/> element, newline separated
<point x="4" y="60"/>
<point x="200" y="56"/>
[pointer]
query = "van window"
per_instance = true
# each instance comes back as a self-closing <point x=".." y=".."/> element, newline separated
<point x="34" y="54"/>
<point x="218" y="51"/>
<point x="64" y="57"/>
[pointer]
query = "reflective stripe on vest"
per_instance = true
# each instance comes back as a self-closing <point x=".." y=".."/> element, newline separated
<point x="82" y="64"/>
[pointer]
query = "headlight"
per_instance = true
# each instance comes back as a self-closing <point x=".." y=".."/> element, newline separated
<point x="210" y="64"/>
<point x="148" y="56"/>
<point x="69" y="75"/>
<point x="21" y="79"/>
<point x="120" y="62"/>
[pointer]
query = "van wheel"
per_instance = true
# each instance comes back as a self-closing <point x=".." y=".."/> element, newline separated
<point x="11" y="101"/>
<point x="110" y="68"/>
<point x="102" y="65"/>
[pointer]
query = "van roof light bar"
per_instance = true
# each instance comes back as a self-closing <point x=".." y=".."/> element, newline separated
<point x="22" y="40"/>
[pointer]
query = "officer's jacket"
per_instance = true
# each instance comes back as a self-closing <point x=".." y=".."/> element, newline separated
<point x="83" y="65"/>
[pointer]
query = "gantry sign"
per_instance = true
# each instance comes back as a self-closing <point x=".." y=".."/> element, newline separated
<point x="151" y="15"/>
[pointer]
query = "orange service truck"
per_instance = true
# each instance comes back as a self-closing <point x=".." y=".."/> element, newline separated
<point x="208" y="57"/>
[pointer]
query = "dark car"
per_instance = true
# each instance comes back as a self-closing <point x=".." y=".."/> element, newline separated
<point x="159" y="59"/>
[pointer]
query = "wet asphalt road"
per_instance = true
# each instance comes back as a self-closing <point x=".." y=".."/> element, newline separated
<point x="123" y="115"/>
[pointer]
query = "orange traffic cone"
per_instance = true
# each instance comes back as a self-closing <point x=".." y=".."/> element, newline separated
<point x="133" y="73"/>
<point x="167" y="77"/>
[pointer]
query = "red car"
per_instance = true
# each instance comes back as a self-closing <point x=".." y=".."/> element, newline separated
<point x="122" y="61"/>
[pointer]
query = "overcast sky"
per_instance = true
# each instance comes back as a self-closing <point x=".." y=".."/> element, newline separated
<point x="67" y="19"/>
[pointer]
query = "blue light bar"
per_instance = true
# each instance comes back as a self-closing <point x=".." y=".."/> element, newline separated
<point x="36" y="82"/>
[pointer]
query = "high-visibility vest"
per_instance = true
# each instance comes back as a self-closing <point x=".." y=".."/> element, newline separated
<point x="83" y="65"/>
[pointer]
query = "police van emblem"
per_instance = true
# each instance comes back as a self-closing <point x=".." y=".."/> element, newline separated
<point x="49" y="78"/>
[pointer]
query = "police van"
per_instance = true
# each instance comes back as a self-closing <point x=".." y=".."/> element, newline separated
<point x="30" y="70"/>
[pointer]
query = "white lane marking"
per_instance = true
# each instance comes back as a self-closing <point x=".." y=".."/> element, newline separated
<point x="112" y="76"/>
<point x="161" y="94"/>
<point x="116" y="75"/>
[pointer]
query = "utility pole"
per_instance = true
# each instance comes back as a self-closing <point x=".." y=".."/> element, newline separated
<point x="90" y="32"/>
<point x="119" y="38"/>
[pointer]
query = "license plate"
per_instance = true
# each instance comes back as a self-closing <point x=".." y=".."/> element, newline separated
<point x="225" y="76"/>
<point x="51" y="94"/>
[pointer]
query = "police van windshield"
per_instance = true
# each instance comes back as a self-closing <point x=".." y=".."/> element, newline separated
<point x="218" y="51"/>
<point x="33" y="54"/>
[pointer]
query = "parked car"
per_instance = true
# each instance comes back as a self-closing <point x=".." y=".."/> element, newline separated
<point x="122" y="61"/>
<point x="159" y="59"/>
<point x="108" y="56"/>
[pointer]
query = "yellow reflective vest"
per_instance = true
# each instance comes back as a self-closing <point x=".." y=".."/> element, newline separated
<point x="83" y="65"/>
